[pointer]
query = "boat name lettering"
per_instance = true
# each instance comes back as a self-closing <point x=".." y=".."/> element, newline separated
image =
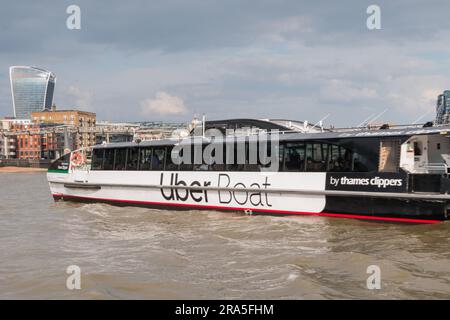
<point x="376" y="181"/>
<point x="233" y="196"/>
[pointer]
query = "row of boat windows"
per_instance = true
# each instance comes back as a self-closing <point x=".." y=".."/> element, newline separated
<point x="311" y="157"/>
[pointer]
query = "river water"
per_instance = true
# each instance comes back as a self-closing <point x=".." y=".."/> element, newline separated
<point x="131" y="253"/>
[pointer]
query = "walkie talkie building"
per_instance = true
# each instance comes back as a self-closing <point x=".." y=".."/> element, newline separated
<point x="32" y="90"/>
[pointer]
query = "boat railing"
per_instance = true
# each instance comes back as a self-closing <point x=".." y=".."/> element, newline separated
<point x="250" y="131"/>
<point x="436" y="167"/>
<point x="378" y="127"/>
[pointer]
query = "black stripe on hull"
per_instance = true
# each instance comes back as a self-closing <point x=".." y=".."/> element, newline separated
<point x="388" y="207"/>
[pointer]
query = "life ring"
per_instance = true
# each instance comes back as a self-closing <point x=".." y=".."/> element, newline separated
<point x="77" y="159"/>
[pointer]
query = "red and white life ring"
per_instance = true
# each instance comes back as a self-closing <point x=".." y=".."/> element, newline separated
<point x="77" y="159"/>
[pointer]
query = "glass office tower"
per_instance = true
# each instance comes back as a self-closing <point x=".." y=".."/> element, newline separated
<point x="443" y="108"/>
<point x="32" y="90"/>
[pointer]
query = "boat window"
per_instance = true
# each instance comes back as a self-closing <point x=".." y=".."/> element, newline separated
<point x="294" y="157"/>
<point x="348" y="158"/>
<point x="251" y="156"/>
<point x="360" y="164"/>
<point x="120" y="159"/>
<point x="417" y="148"/>
<point x="215" y="166"/>
<point x="189" y="162"/>
<point x="238" y="159"/>
<point x="170" y="166"/>
<point x="145" y="158"/>
<point x="340" y="159"/>
<point x="132" y="159"/>
<point x="265" y="155"/>
<point x="108" y="161"/>
<point x="325" y="151"/>
<point x="389" y="156"/>
<point x="97" y="159"/>
<point x="336" y="161"/>
<point x="157" y="159"/>
<point x="281" y="151"/>
<point x="316" y="158"/>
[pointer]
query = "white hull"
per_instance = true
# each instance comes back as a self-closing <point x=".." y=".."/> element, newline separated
<point x="139" y="187"/>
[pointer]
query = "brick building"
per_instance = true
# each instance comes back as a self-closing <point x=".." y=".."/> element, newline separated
<point x="35" y="141"/>
<point x="28" y="141"/>
<point x="84" y="122"/>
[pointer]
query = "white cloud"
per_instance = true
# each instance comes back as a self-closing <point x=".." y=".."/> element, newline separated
<point x="163" y="104"/>
<point x="279" y="30"/>
<point x="82" y="98"/>
<point x="345" y="91"/>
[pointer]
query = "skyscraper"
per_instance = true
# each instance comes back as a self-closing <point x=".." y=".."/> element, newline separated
<point x="32" y="90"/>
<point x="443" y="108"/>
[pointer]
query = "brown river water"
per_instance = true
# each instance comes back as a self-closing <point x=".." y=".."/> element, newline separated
<point x="131" y="253"/>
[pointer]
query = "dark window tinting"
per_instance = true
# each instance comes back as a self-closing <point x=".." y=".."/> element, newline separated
<point x="157" y="159"/>
<point x="417" y="148"/>
<point x="336" y="160"/>
<point x="132" y="159"/>
<point x="360" y="164"/>
<point x="120" y="159"/>
<point x="97" y="159"/>
<point x="294" y="157"/>
<point x="316" y="157"/>
<point x="61" y="163"/>
<point x="145" y="158"/>
<point x="187" y="166"/>
<point x="281" y="151"/>
<point x="108" y="162"/>
<point x="170" y="166"/>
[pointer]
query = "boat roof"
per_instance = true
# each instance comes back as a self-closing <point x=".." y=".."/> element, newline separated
<point x="293" y="135"/>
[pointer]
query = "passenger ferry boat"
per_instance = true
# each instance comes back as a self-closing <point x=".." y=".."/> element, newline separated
<point x="397" y="174"/>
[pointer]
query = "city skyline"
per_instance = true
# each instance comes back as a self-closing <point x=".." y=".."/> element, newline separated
<point x="288" y="59"/>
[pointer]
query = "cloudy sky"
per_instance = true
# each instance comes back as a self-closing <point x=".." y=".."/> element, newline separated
<point x="168" y="60"/>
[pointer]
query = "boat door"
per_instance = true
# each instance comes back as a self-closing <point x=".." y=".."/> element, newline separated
<point x="439" y="152"/>
<point x="420" y="151"/>
<point x="414" y="154"/>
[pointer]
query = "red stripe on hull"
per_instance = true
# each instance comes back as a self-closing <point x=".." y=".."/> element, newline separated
<point x="321" y="214"/>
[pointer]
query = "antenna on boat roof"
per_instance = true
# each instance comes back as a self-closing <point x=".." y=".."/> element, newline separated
<point x="422" y="116"/>
<point x="365" y="120"/>
<point x="203" y="125"/>
<point x="320" y="122"/>
<point x="379" y="115"/>
<point x="370" y="119"/>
